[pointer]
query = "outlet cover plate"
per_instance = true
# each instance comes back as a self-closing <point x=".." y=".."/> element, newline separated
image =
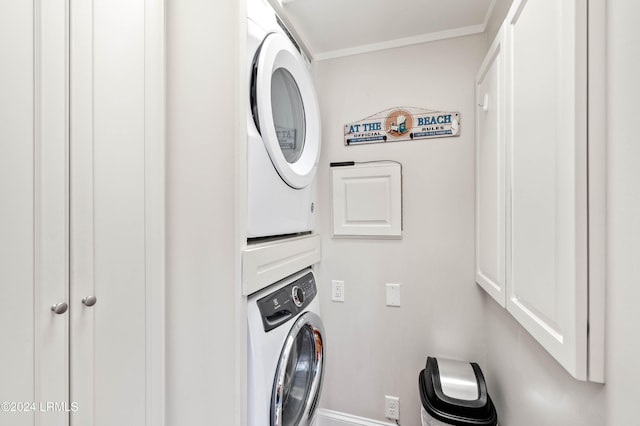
<point x="392" y="407"/>
<point x="337" y="291"/>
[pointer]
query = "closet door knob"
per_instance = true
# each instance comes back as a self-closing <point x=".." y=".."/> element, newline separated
<point x="89" y="301"/>
<point x="60" y="308"/>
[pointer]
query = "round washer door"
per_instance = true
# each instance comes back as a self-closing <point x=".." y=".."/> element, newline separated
<point x="298" y="380"/>
<point x="288" y="116"/>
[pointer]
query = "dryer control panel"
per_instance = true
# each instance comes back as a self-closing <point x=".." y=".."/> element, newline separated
<point x="287" y="302"/>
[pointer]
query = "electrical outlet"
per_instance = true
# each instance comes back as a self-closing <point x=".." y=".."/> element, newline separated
<point x="337" y="291"/>
<point x="393" y="294"/>
<point x="392" y="407"/>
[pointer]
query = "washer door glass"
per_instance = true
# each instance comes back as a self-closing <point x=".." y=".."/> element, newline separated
<point x="286" y="110"/>
<point x="299" y="375"/>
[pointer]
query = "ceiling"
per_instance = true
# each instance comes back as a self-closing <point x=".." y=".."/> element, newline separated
<point x="334" y="28"/>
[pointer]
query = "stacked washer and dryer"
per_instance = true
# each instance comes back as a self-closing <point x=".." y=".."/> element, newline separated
<point x="285" y="332"/>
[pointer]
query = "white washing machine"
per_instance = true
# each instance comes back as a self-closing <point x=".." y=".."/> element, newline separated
<point x="283" y="126"/>
<point x="286" y="352"/>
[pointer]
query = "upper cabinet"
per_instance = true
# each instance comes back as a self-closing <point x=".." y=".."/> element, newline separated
<point x="547" y="176"/>
<point x="533" y="184"/>
<point x="490" y="173"/>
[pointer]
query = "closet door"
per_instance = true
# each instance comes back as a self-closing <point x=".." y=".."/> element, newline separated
<point x="82" y="213"/>
<point x="116" y="212"/>
<point x="33" y="213"/>
<point x="547" y="277"/>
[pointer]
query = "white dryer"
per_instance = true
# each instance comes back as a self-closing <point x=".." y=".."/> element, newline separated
<point x="283" y="126"/>
<point x="286" y="352"/>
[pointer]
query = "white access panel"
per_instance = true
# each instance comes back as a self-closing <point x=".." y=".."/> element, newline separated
<point x="367" y="200"/>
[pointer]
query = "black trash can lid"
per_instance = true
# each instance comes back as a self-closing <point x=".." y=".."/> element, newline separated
<point x="455" y="393"/>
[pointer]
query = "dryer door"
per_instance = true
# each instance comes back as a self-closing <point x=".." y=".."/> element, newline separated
<point x="296" y="388"/>
<point x="286" y="111"/>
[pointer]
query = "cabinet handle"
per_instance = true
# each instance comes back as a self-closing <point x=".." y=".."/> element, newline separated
<point x="60" y="308"/>
<point x="485" y="102"/>
<point x="89" y="301"/>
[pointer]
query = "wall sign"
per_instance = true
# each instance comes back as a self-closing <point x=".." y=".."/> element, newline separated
<point x="402" y="124"/>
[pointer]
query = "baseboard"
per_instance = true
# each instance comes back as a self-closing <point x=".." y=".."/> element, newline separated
<point x="335" y="418"/>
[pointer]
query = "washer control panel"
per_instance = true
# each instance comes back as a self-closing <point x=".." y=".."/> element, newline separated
<point x="280" y="306"/>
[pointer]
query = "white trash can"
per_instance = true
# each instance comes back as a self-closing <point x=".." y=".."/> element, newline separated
<point x="455" y="393"/>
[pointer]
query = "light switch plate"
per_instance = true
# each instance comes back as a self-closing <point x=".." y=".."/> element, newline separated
<point x="393" y="294"/>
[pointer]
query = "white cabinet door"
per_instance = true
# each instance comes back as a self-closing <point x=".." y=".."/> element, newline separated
<point x="33" y="213"/>
<point x="490" y="173"/>
<point x="117" y="212"/>
<point x="547" y="265"/>
<point x="82" y="212"/>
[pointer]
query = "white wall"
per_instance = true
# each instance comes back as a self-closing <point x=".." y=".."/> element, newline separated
<point x="205" y="328"/>
<point x="374" y="350"/>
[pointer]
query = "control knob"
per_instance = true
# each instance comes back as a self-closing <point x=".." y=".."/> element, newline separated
<point x="298" y="295"/>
